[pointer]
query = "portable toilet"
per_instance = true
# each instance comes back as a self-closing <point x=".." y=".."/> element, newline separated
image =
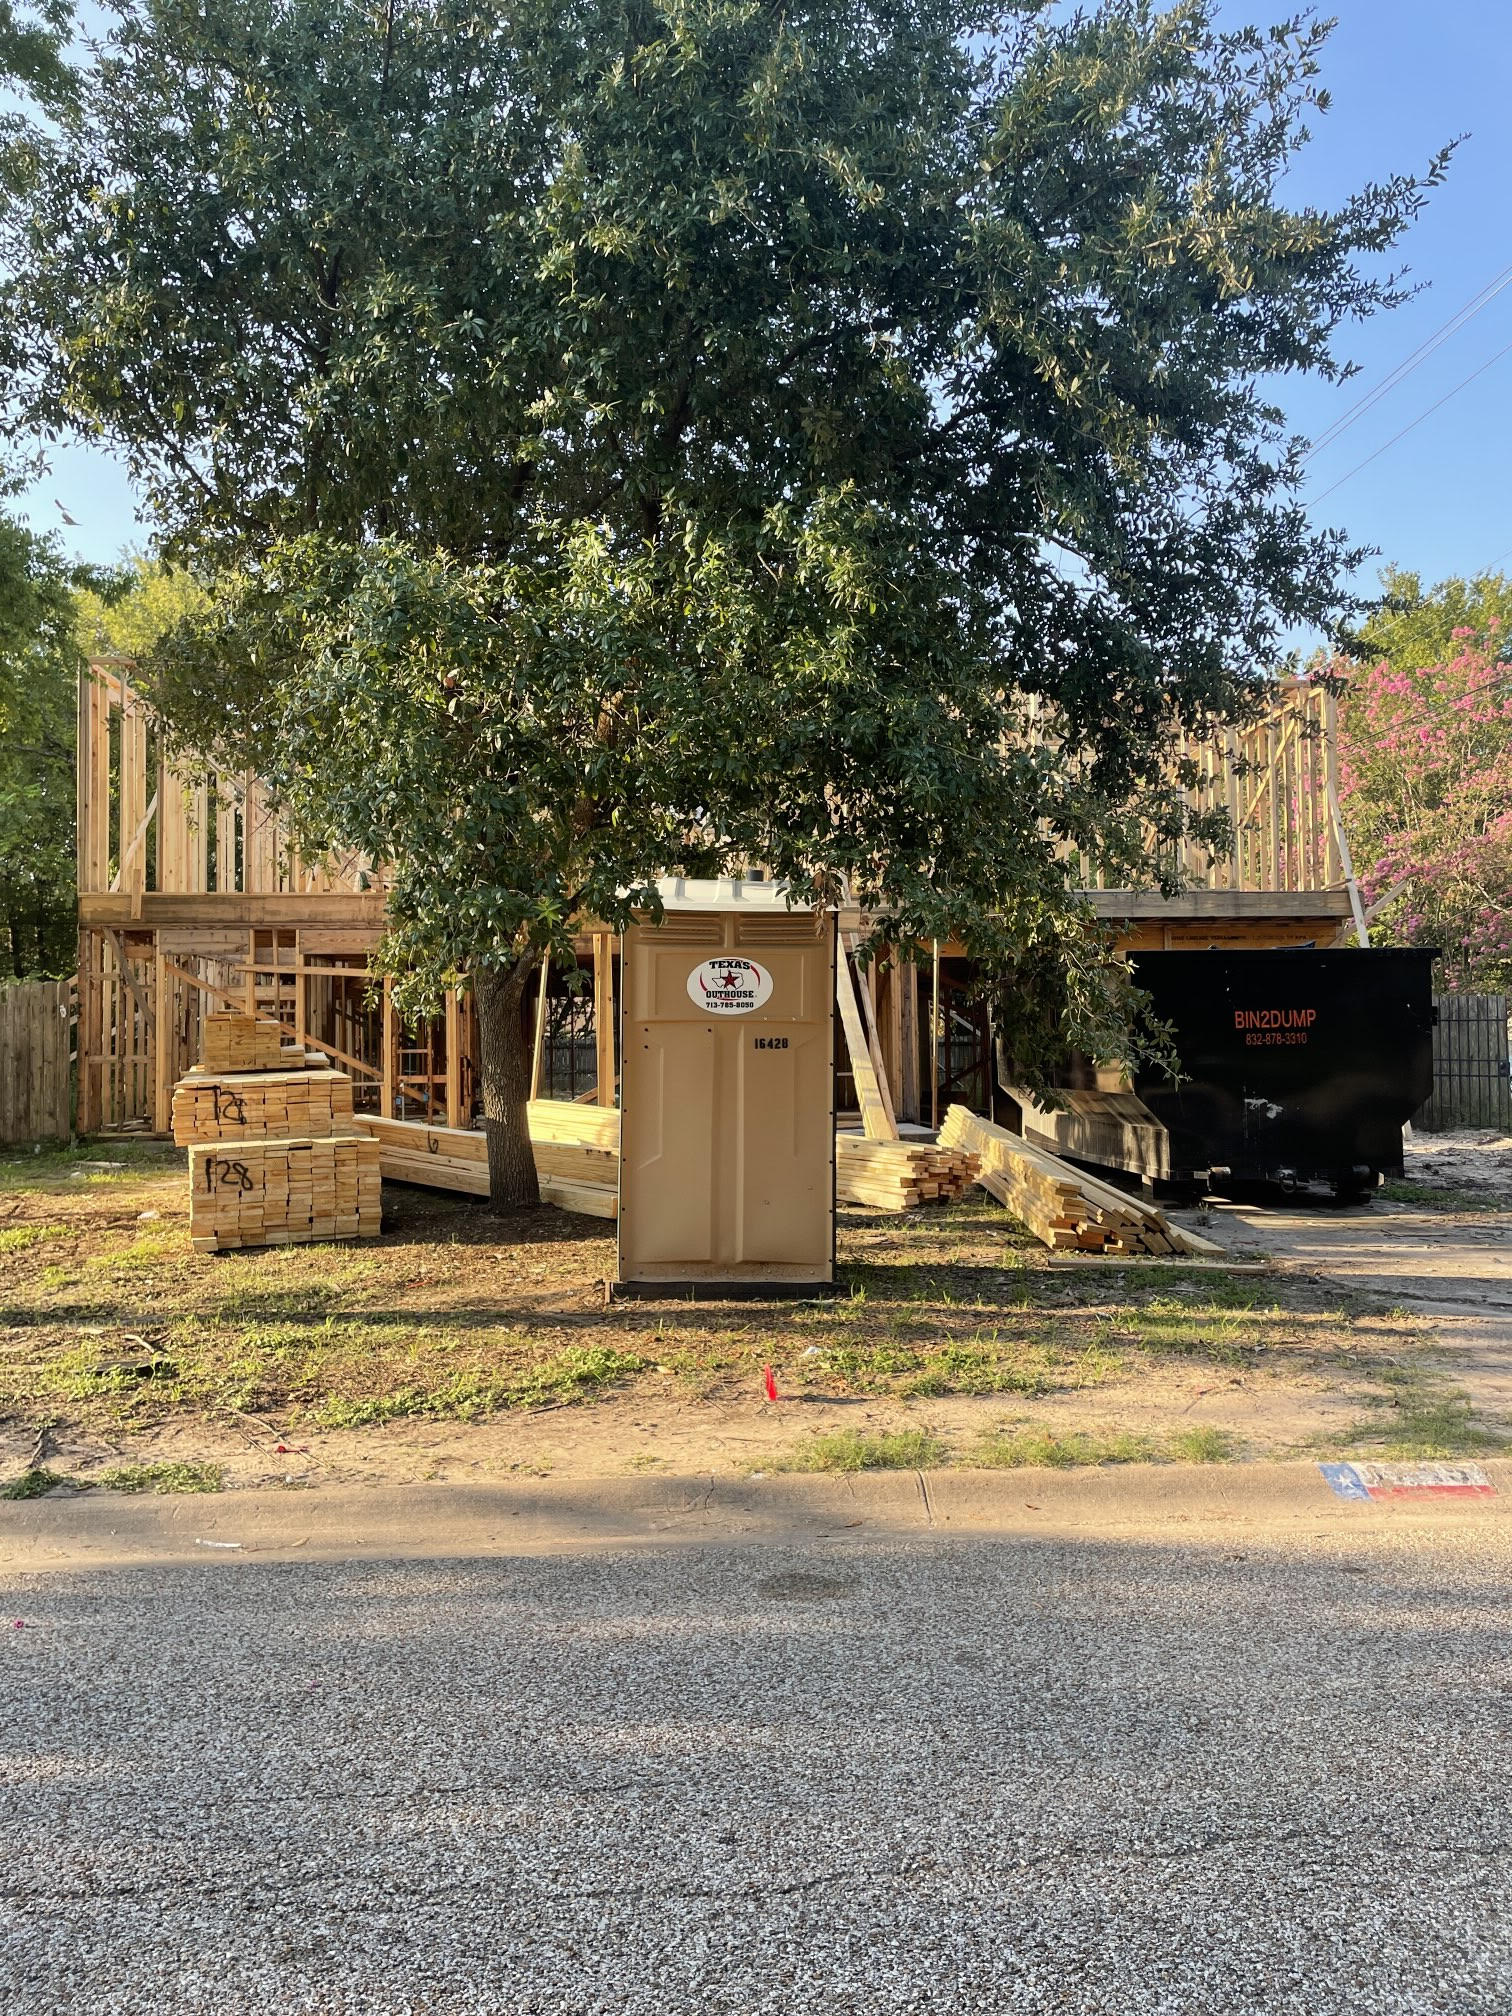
<point x="727" y="1102"/>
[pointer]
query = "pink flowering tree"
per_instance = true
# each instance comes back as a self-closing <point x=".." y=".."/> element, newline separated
<point x="1425" y="754"/>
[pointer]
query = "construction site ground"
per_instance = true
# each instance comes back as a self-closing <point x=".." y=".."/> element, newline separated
<point x="464" y="1347"/>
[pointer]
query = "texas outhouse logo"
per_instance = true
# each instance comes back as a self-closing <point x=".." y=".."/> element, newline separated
<point x="730" y="986"/>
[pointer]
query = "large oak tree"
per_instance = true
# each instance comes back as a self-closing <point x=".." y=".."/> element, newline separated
<point x="642" y="435"/>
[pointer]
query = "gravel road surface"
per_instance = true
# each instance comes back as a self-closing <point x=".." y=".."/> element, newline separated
<point x="921" y="1774"/>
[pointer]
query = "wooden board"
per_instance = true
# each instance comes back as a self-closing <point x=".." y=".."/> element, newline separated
<point x="876" y="1114"/>
<point x="576" y="1174"/>
<point x="240" y="1043"/>
<point x="897" y="1175"/>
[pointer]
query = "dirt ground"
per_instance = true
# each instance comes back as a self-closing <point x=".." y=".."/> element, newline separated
<point x="460" y="1346"/>
<point x="1473" y="1165"/>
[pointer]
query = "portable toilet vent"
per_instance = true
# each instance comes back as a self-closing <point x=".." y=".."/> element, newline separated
<point x="727" y="1102"/>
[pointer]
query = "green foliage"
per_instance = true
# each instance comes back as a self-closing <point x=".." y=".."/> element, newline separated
<point x="38" y="674"/>
<point x="163" y="1478"/>
<point x="34" y="1483"/>
<point x="126" y="612"/>
<point x="644" y="439"/>
<point x="1413" y="627"/>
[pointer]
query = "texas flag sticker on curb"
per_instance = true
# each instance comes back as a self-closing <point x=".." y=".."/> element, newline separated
<point x="1408" y="1480"/>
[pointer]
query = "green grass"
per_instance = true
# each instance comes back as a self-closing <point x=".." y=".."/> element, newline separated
<point x="62" y="1169"/>
<point x="849" y="1450"/>
<point x="1428" y="1423"/>
<point x="1031" y="1448"/>
<point x="34" y="1484"/>
<point x="577" y="1373"/>
<point x="1429" y="1198"/>
<point x="1202" y="1445"/>
<point x="127" y="1477"/>
<point x="147" y="1252"/>
<point x="163" y="1477"/>
<point x="1173" y="1327"/>
<point x="18" y="1238"/>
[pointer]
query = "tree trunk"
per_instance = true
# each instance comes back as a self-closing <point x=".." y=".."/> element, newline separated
<point x="504" y="1054"/>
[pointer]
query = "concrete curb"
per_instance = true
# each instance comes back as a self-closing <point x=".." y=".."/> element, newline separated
<point x="1175" y="1503"/>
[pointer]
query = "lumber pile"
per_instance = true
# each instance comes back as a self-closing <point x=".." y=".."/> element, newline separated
<point x="274" y="1155"/>
<point x="1064" y="1207"/>
<point x="241" y="1043"/>
<point x="897" y="1175"/>
<point x="261" y="1105"/>
<point x="577" y="1171"/>
<point x="276" y="1193"/>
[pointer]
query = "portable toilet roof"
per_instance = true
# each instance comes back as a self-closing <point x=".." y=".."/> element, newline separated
<point x="727" y="893"/>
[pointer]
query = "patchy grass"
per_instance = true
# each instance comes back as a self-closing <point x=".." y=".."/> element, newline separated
<point x="19" y="1238"/>
<point x="112" y="1322"/>
<point x="1421" y="1417"/>
<point x="1428" y="1197"/>
<point x="34" y="1483"/>
<point x="574" y="1374"/>
<point x="850" y="1450"/>
<point x="163" y="1477"/>
<point x="61" y="1170"/>
<point x="1035" y="1448"/>
<point x="1202" y="1445"/>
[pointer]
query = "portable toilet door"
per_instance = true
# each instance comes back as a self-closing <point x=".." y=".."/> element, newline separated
<point x="727" y="1104"/>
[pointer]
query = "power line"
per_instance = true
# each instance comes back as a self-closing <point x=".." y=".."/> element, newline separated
<point x="1349" y="475"/>
<point x="1425" y="349"/>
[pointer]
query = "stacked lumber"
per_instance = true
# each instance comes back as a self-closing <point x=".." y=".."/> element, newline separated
<point x="240" y="1043"/>
<point x="279" y="1193"/>
<point x="1064" y="1207"/>
<point x="261" y="1105"/>
<point x="577" y="1173"/>
<point x="897" y="1175"/>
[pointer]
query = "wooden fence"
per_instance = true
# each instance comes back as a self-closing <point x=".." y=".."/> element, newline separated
<point x="1472" y="1084"/>
<point x="36" y="1077"/>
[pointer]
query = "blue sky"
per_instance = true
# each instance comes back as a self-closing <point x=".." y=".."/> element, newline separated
<point x="1405" y="78"/>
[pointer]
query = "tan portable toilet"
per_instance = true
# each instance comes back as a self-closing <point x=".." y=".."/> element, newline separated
<point x="727" y="1101"/>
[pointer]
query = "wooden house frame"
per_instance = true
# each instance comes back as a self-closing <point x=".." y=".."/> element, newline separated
<point x="192" y="898"/>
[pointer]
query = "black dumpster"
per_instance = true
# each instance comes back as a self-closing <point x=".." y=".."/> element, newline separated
<point x="1298" y="1068"/>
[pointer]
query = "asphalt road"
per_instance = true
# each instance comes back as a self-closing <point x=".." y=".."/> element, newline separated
<point x="925" y="1773"/>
